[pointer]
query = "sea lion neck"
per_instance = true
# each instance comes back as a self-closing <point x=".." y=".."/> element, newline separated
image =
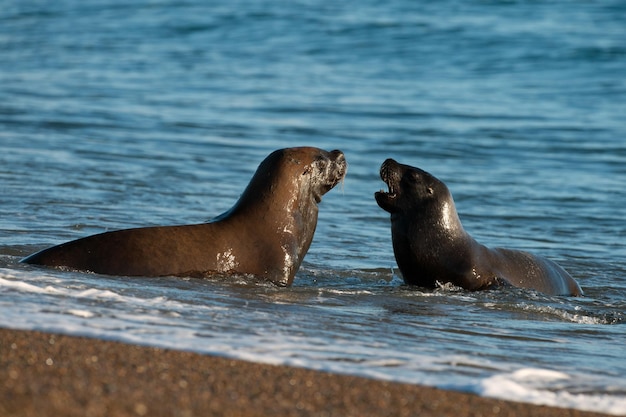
<point x="440" y="219"/>
<point x="448" y="218"/>
<point x="272" y="191"/>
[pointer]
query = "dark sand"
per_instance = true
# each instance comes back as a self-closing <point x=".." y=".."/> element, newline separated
<point x="52" y="375"/>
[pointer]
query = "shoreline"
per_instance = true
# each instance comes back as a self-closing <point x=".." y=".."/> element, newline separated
<point x="46" y="374"/>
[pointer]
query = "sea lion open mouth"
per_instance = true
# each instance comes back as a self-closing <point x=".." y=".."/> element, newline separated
<point x="391" y="193"/>
<point x="390" y="175"/>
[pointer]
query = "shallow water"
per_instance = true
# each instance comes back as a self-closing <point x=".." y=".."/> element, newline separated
<point x="116" y="115"/>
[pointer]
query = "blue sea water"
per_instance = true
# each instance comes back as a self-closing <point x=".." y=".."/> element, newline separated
<point x="117" y="114"/>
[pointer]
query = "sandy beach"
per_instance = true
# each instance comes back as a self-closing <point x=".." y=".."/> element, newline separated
<point x="46" y="374"/>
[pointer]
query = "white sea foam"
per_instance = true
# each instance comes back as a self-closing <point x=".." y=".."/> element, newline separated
<point x="9" y="282"/>
<point x="81" y="313"/>
<point x="537" y="386"/>
<point x="563" y="314"/>
<point x="378" y="342"/>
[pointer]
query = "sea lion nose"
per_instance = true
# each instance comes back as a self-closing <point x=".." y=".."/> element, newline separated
<point x="338" y="155"/>
<point x="388" y="163"/>
<point x="385" y="168"/>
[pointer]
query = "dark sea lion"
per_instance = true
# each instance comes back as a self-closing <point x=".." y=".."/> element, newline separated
<point x="430" y="244"/>
<point x="265" y="234"/>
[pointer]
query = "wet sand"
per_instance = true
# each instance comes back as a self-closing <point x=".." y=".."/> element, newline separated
<point x="45" y="374"/>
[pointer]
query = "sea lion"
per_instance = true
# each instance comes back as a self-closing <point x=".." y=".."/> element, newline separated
<point x="265" y="234"/>
<point x="431" y="246"/>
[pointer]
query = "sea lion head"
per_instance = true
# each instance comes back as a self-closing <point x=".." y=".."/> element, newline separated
<point x="306" y="173"/>
<point x="322" y="170"/>
<point x="297" y="177"/>
<point x="411" y="190"/>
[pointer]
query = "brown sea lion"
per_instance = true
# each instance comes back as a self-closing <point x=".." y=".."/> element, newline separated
<point x="265" y="234"/>
<point x="431" y="246"/>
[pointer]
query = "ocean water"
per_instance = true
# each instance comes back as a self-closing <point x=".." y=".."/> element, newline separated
<point x="123" y="114"/>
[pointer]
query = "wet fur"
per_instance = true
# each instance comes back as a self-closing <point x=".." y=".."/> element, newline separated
<point x="265" y="234"/>
<point x="431" y="246"/>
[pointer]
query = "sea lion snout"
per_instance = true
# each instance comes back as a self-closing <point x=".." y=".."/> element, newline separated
<point x="331" y="168"/>
<point x="340" y="165"/>
<point x="390" y="174"/>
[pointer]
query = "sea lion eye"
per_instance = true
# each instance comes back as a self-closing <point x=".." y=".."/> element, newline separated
<point x="430" y="190"/>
